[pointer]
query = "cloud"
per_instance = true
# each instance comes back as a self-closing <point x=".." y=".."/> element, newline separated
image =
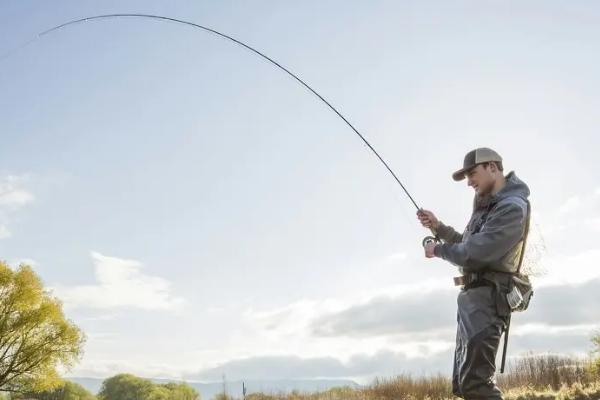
<point x="571" y="269"/>
<point x="570" y="205"/>
<point x="12" y="197"/>
<point x="574" y="342"/>
<point x="15" y="263"/>
<point x="381" y="363"/>
<point x="576" y="212"/>
<point x="121" y="283"/>
<point x="434" y="312"/>
<point x="103" y="368"/>
<point x="385" y="315"/>
<point x="566" y="305"/>
<point x="12" y="194"/>
<point x="419" y="322"/>
<point x="327" y="317"/>
<point x="593" y="224"/>
<point x="396" y="257"/>
<point x="4" y="232"/>
<point x="560" y="320"/>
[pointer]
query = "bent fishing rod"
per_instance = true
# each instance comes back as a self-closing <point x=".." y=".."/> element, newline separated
<point x="428" y="239"/>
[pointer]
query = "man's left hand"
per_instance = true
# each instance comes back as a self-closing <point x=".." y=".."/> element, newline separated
<point x="429" y="250"/>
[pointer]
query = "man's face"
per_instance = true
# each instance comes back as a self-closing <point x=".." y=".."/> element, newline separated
<point x="481" y="179"/>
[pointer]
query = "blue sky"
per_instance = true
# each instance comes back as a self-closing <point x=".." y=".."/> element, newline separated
<point x="199" y="212"/>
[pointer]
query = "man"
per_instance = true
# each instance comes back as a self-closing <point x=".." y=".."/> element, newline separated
<point x="487" y="253"/>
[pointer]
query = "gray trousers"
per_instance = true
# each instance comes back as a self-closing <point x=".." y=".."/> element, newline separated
<point x="477" y="340"/>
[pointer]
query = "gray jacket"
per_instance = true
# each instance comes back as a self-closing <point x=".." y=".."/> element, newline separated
<point x="494" y="244"/>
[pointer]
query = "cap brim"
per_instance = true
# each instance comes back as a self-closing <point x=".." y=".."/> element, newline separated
<point x="459" y="175"/>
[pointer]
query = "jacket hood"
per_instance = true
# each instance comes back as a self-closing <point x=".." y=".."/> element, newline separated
<point x="513" y="187"/>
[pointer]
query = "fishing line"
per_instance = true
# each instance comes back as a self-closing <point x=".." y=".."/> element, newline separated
<point x="18" y="48"/>
<point x="252" y="49"/>
<point x="272" y="61"/>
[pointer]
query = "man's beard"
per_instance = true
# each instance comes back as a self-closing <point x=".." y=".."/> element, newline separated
<point x="482" y="200"/>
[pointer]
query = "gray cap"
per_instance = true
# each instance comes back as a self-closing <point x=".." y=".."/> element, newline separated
<point x="474" y="157"/>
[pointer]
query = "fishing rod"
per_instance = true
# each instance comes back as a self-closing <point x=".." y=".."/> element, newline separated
<point x="428" y="239"/>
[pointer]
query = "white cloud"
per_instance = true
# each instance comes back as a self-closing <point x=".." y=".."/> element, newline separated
<point x="12" y="197"/>
<point x="4" y="232"/>
<point x="27" y="261"/>
<point x="358" y="365"/>
<point x="553" y="330"/>
<point x="103" y="368"/>
<point x="593" y="224"/>
<point x="12" y="194"/>
<point x="580" y="211"/>
<point x="397" y="257"/>
<point x="121" y="283"/>
<point x="570" y="205"/>
<point x="571" y="269"/>
<point x="415" y="323"/>
<point x="289" y="330"/>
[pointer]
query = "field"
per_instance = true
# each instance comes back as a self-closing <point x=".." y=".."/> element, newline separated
<point x="531" y="377"/>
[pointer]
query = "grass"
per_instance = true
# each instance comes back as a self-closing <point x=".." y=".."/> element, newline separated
<point x="527" y="378"/>
<point x="548" y="371"/>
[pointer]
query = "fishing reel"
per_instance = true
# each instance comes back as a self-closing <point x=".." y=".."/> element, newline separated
<point x="431" y="239"/>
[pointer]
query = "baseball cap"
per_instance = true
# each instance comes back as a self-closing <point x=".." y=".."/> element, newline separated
<point x="474" y="157"/>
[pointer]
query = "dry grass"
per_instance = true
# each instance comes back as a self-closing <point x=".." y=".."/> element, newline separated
<point x="547" y="371"/>
<point x="528" y="378"/>
<point x="576" y="391"/>
<point x="401" y="387"/>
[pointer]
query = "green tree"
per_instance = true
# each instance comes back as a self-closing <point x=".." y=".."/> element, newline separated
<point x="130" y="387"/>
<point x="35" y="336"/>
<point x="125" y="387"/>
<point x="66" y="391"/>
<point x="159" y="393"/>
<point x="181" y="391"/>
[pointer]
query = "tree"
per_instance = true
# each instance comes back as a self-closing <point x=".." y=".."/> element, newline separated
<point x="125" y="387"/>
<point x="181" y="391"/>
<point x="66" y="391"/>
<point x="130" y="387"/>
<point x="35" y="336"/>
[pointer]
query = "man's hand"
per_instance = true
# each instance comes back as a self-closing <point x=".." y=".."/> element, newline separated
<point x="429" y="247"/>
<point x="428" y="219"/>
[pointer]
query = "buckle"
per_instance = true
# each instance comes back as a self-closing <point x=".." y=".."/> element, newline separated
<point x="467" y="279"/>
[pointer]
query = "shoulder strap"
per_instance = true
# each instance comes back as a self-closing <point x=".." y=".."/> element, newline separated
<point x="525" y="234"/>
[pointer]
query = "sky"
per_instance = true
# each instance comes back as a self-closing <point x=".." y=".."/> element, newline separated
<point x="200" y="213"/>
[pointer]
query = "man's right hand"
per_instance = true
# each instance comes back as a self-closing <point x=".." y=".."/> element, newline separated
<point x="428" y="219"/>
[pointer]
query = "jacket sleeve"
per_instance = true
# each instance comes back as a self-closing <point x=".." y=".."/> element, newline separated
<point x="448" y="234"/>
<point x="503" y="230"/>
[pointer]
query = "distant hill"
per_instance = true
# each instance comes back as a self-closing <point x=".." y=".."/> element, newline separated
<point x="209" y="389"/>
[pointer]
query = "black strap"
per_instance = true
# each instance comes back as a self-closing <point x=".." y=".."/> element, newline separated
<point x="525" y="234"/>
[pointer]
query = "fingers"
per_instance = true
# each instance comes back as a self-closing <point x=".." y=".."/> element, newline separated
<point x="424" y="213"/>
<point x="425" y="217"/>
<point x="425" y="221"/>
<point x="429" y="250"/>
